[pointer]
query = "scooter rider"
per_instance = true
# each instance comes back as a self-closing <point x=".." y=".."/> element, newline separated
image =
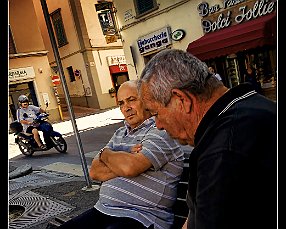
<point x="26" y="114"/>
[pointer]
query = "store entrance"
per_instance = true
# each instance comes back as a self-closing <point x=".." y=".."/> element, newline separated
<point x="233" y="69"/>
<point x="15" y="90"/>
<point x="118" y="79"/>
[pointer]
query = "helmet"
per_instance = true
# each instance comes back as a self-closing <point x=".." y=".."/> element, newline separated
<point x="23" y="98"/>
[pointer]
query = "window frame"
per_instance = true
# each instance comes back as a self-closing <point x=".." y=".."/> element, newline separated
<point x="71" y="73"/>
<point x="138" y="14"/>
<point x="59" y="28"/>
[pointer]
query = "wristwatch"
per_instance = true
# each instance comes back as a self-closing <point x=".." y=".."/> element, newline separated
<point x="100" y="152"/>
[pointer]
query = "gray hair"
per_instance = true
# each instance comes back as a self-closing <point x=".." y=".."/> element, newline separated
<point x="173" y="68"/>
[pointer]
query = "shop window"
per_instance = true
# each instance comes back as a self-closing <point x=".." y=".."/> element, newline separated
<point x="71" y="73"/>
<point x="12" y="48"/>
<point x="144" y="7"/>
<point x="232" y="71"/>
<point x="260" y="60"/>
<point x="59" y="27"/>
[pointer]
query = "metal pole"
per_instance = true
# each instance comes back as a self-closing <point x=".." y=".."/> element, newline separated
<point x="66" y="92"/>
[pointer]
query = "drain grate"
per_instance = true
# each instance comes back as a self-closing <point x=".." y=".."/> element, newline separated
<point x="37" y="209"/>
<point x="40" y="178"/>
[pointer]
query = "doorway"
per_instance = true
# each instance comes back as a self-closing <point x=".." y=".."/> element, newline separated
<point x="15" y="90"/>
<point x="118" y="79"/>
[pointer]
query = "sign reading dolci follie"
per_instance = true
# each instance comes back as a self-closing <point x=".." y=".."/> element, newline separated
<point x="232" y="12"/>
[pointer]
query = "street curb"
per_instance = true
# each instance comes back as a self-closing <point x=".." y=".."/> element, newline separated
<point x="20" y="171"/>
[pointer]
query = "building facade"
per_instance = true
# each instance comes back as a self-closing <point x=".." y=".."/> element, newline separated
<point x="29" y="70"/>
<point x="105" y="43"/>
<point x="229" y="35"/>
<point x="90" y="50"/>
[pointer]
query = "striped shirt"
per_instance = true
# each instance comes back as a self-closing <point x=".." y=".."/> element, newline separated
<point x="149" y="197"/>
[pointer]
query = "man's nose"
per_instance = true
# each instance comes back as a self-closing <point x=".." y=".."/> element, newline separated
<point x="126" y="108"/>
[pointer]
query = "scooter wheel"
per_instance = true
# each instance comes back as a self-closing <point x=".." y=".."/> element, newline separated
<point x="59" y="144"/>
<point x="25" y="149"/>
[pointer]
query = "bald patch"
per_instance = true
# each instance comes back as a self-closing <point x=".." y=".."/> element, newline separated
<point x="129" y="84"/>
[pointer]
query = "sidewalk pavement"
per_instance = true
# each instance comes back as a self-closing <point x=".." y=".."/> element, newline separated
<point x="58" y="195"/>
<point x="52" y="197"/>
<point x="79" y="111"/>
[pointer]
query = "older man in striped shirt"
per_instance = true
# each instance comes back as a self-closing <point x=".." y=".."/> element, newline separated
<point x="140" y="168"/>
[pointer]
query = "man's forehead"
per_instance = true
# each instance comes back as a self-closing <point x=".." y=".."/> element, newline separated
<point x="127" y="97"/>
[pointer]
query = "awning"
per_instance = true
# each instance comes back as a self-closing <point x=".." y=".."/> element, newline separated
<point x="251" y="34"/>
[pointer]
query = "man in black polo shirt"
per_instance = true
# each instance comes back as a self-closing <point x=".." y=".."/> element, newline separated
<point x="232" y="180"/>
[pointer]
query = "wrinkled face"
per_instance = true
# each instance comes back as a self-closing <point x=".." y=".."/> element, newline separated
<point x="170" y="118"/>
<point x="131" y="106"/>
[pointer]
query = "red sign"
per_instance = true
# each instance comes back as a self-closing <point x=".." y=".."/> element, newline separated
<point x="56" y="80"/>
<point x="118" y="68"/>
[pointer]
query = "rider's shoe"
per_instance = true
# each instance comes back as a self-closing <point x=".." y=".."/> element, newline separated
<point x="43" y="147"/>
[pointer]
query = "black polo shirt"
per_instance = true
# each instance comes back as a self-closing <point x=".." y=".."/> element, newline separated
<point x="232" y="182"/>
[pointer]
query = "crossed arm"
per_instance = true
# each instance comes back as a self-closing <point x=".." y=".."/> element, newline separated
<point x="112" y="164"/>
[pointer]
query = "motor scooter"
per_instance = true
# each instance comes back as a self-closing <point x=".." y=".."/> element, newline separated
<point x="27" y="143"/>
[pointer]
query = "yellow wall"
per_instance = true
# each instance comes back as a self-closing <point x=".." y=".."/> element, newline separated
<point x="95" y="67"/>
<point x="31" y="52"/>
<point x="25" y="30"/>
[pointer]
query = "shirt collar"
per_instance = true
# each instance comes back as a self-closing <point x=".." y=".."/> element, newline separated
<point x="148" y="122"/>
<point x="232" y="96"/>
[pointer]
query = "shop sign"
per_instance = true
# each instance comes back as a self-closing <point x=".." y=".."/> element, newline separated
<point x="107" y="23"/>
<point x="178" y="35"/>
<point x="21" y="73"/>
<point x="153" y="41"/>
<point x="118" y="68"/>
<point x="233" y="12"/>
<point x="103" y="6"/>
<point x="116" y="60"/>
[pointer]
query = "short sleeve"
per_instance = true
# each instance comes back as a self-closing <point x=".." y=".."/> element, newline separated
<point x="160" y="148"/>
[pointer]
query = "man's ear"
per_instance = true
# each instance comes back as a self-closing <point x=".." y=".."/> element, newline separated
<point x="185" y="100"/>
